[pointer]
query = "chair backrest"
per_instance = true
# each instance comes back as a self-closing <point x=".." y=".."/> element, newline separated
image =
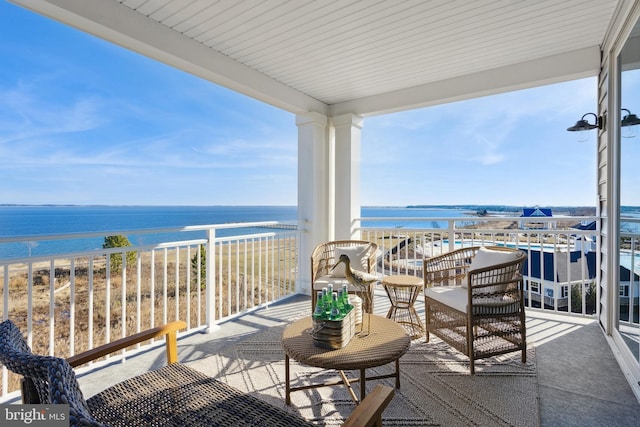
<point x="448" y="269"/>
<point x="324" y="257"/>
<point x="451" y="268"/>
<point x="500" y="272"/>
<point x="53" y="377"/>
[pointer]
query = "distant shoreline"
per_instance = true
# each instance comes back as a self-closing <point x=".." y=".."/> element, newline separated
<point x="489" y="207"/>
<point x="72" y="205"/>
<point x="64" y="219"/>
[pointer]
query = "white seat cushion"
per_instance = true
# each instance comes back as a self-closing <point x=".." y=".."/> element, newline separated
<point x="452" y="296"/>
<point x="486" y="258"/>
<point x="456" y="298"/>
<point x="358" y="256"/>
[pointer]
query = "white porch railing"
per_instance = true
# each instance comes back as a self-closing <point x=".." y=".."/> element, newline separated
<point x="561" y="271"/>
<point x="629" y="286"/>
<point x="69" y="303"/>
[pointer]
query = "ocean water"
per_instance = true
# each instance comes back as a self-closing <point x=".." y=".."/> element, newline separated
<point x="44" y="220"/>
<point x="402" y="212"/>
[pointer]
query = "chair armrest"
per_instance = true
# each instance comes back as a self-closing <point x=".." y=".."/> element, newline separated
<point x="320" y="258"/>
<point x="319" y="267"/>
<point x="373" y="258"/>
<point x="369" y="412"/>
<point x="170" y="330"/>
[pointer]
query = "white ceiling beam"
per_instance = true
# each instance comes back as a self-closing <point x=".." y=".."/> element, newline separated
<point x="121" y="25"/>
<point x="554" y="69"/>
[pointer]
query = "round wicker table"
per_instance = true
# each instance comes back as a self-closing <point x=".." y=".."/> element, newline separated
<point x="387" y="342"/>
<point x="403" y="290"/>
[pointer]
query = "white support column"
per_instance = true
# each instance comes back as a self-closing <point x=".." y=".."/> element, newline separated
<point x="348" y="132"/>
<point x="314" y="207"/>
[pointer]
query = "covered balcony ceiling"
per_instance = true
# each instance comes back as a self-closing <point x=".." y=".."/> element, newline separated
<point x="355" y="56"/>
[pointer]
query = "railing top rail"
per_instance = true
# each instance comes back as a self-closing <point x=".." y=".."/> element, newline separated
<point x="483" y="218"/>
<point x="560" y="232"/>
<point x="81" y="235"/>
<point x="102" y="251"/>
<point x="238" y="237"/>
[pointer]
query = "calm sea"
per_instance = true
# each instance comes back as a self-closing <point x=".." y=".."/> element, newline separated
<point x="42" y="220"/>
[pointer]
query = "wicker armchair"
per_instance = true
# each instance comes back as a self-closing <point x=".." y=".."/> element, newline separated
<point x="174" y="395"/>
<point x="325" y="256"/>
<point x="474" y="301"/>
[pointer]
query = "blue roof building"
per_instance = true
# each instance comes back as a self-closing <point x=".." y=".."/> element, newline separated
<point x="536" y="212"/>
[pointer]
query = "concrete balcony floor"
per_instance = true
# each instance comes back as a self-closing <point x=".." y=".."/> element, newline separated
<point x="576" y="387"/>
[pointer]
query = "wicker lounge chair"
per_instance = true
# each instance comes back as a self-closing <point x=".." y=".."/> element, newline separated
<point x="474" y="301"/>
<point x="174" y="395"/>
<point x="363" y="257"/>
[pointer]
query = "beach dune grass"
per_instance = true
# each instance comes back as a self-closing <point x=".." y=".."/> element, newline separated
<point x="91" y="306"/>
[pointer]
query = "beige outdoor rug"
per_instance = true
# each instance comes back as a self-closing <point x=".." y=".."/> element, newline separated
<point x="436" y="388"/>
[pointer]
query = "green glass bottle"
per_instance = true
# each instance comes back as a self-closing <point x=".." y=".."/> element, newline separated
<point x="345" y="299"/>
<point x="319" y="312"/>
<point x="326" y="301"/>
<point x="335" y="311"/>
<point x="341" y="306"/>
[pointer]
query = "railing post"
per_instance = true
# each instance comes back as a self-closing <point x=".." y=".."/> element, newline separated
<point x="210" y="280"/>
<point x="451" y="229"/>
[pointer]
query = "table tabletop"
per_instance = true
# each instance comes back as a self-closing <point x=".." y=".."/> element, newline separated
<point x="386" y="342"/>
<point x="402" y="280"/>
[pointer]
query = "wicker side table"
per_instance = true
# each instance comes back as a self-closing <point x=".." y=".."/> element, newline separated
<point x="403" y="290"/>
<point x="386" y="343"/>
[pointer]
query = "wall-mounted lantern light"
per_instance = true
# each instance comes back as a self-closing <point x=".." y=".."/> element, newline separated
<point x="627" y="123"/>
<point x="583" y="125"/>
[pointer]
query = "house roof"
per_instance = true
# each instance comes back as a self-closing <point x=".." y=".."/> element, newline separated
<point x="588" y="226"/>
<point x="536" y="212"/>
<point x="355" y="56"/>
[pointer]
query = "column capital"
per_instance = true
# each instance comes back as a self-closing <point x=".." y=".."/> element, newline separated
<point x="348" y="120"/>
<point x="311" y="118"/>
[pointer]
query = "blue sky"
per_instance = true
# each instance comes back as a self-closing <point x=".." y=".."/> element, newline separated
<point x="83" y="121"/>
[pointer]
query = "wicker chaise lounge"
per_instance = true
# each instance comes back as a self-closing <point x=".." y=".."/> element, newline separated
<point x="174" y="395"/>
<point x="474" y="301"/>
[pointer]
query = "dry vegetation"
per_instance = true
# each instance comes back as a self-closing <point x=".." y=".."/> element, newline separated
<point x="174" y="293"/>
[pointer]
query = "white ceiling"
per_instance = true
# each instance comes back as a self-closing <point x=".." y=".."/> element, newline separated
<point x="355" y="56"/>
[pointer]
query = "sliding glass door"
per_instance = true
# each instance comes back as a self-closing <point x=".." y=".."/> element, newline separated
<point x="628" y="323"/>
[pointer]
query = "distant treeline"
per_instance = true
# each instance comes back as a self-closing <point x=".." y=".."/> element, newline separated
<point x="563" y="210"/>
